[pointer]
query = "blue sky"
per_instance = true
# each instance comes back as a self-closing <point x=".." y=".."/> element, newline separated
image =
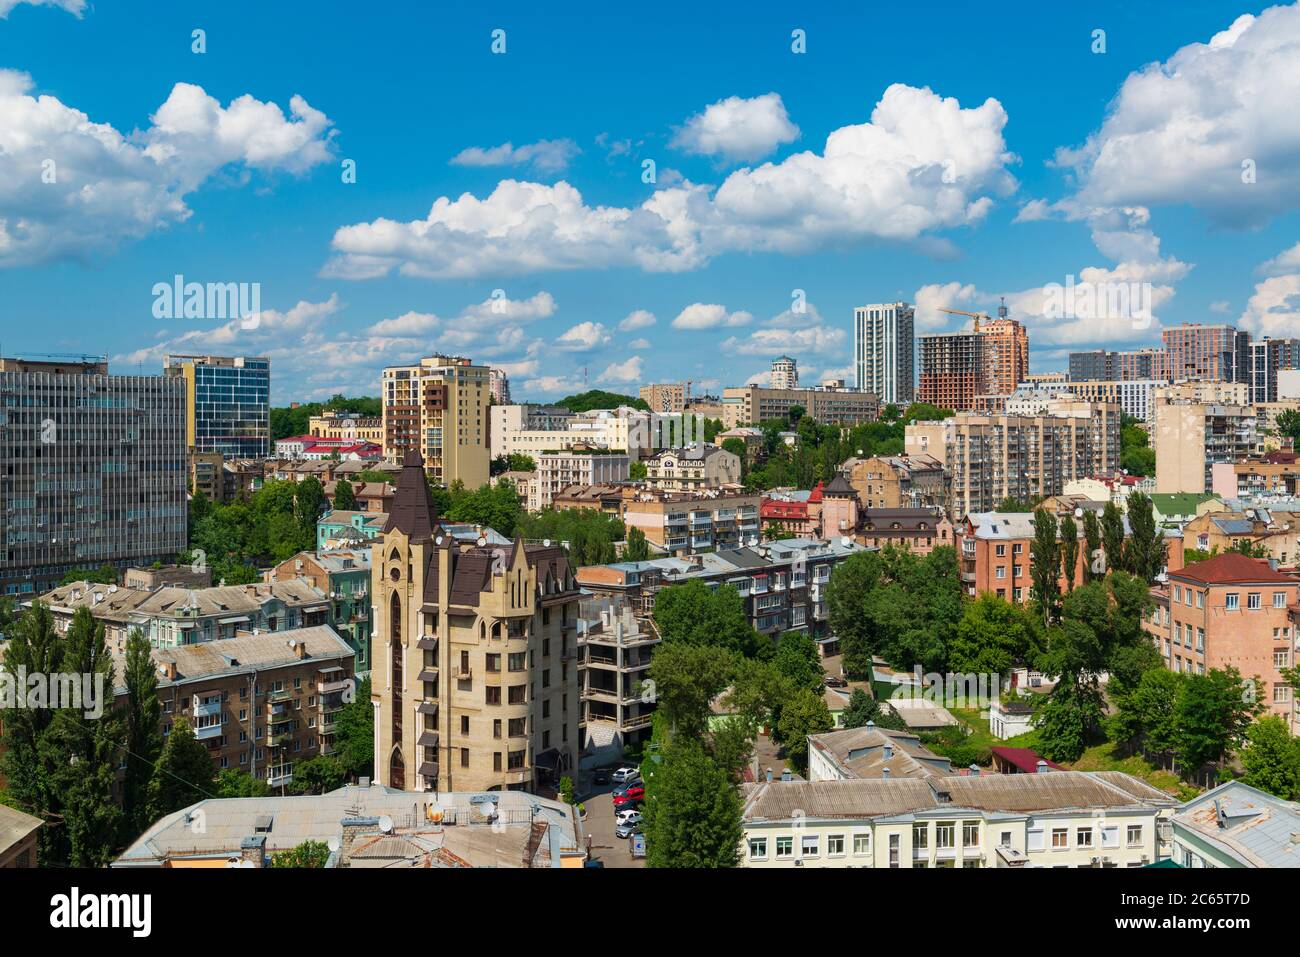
<point x="970" y="157"/>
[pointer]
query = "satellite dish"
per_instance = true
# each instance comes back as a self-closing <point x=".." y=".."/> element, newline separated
<point x="333" y="844"/>
<point x="386" y="825"/>
<point x="438" y="540"/>
<point x="546" y="542"/>
<point x="482" y="540"/>
<point x="845" y="540"/>
<point x="1078" y="512"/>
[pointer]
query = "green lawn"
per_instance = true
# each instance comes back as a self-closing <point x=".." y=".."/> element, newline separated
<point x="981" y="737"/>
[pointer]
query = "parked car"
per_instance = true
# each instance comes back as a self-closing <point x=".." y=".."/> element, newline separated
<point x="629" y="795"/>
<point x="601" y="776"/>
<point x="626" y="775"/>
<point x="627" y="830"/>
<point x="628" y="815"/>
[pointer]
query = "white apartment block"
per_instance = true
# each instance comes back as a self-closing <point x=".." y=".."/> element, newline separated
<point x="517" y="431"/>
<point x="884" y="350"/>
<point x="556" y="470"/>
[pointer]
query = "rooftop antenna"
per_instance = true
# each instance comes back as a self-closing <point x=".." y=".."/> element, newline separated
<point x="1002" y="309"/>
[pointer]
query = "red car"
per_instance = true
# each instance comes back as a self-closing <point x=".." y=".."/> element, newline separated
<point x="631" y="795"/>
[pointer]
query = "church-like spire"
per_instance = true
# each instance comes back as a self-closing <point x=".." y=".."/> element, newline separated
<point x="412" y="511"/>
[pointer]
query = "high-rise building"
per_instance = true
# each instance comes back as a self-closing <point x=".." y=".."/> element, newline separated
<point x="1133" y="365"/>
<point x="440" y="409"/>
<point x="666" y="396"/>
<point x="1207" y="352"/>
<point x="475" y="678"/>
<point x="1190" y="437"/>
<point x="1268" y="357"/>
<point x="94" y="470"/>
<point x="1005" y="345"/>
<point x="785" y="373"/>
<point x="883" y="351"/>
<point x="228" y="403"/>
<point x="500" y="384"/>
<point x="952" y="370"/>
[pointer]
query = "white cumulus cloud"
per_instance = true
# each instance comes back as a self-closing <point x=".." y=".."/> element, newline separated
<point x="638" y="319"/>
<point x="737" y="129"/>
<point x="545" y="156"/>
<point x="622" y="372"/>
<point x="700" y="315"/>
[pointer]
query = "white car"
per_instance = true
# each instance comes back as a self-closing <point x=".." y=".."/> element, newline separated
<point x="625" y="775"/>
<point x="628" y="816"/>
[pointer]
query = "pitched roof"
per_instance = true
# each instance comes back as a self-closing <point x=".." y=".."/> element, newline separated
<point x="1230" y="568"/>
<point x="14" y="826"/>
<point x="1026" y="759"/>
<point x="412" y="511"/>
<point x="839" y="485"/>
<point x="860" y="753"/>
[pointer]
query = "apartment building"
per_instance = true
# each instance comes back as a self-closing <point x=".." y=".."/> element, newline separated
<point x="577" y="466"/>
<point x="1191" y="437"/>
<point x="344" y="576"/>
<point x="607" y="499"/>
<point x="920" y="530"/>
<point x="440" y="409"/>
<point x="1268" y="357"/>
<point x="1204" y="391"/>
<point x="1274" y="475"/>
<point x="782" y="584"/>
<point x="991" y="457"/>
<point x="499" y="386"/>
<point x="347" y="426"/>
<point x="1276" y="531"/>
<point x="508" y="422"/>
<point x="259" y="703"/>
<point x="686" y="522"/>
<point x="897" y="481"/>
<point x="476" y="683"/>
<point x="309" y="447"/>
<point x="1136" y="364"/>
<point x="692" y="468"/>
<point x="884" y="351"/>
<point x="1230" y="611"/>
<point x="994" y="555"/>
<point x="1135" y="397"/>
<point x="172" y="616"/>
<point x="666" y="397"/>
<point x="227" y="403"/>
<point x="958" y="368"/>
<point x="368" y="826"/>
<point x="94" y="470"/>
<point x="1207" y="352"/>
<point x="749" y="405"/>
<point x="1048" y="819"/>
<point x="785" y="373"/>
<point x="614" y="651"/>
<point x="826" y="510"/>
<point x="625" y="429"/>
<point x="346" y="528"/>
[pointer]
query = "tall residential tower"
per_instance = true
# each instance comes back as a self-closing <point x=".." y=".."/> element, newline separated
<point x="883" y="350"/>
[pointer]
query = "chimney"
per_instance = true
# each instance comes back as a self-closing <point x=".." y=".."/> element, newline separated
<point x="769" y="775"/>
<point x="889" y="750"/>
<point x="1041" y="767"/>
<point x="884" y="774"/>
<point x="871" y="724"/>
<point x="169" y="670"/>
<point x="252" y="850"/>
<point x="786" y="775"/>
<point x="299" y="648"/>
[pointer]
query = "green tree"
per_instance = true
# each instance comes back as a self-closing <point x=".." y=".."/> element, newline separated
<point x="992" y="637"/>
<point x="1145" y="549"/>
<point x="692" y="812"/>
<point x="687" y="677"/>
<point x="796" y="658"/>
<point x="318" y="775"/>
<point x="1069" y="550"/>
<point x="237" y="783"/>
<point x="1045" y="565"/>
<point x="637" y="471"/>
<point x="803" y="714"/>
<point x="105" y="574"/>
<point x="345" y="499"/>
<point x="308" y="854"/>
<point x="1214" y="711"/>
<point x="1271" y="758"/>
<point x="637" y="548"/>
<point x="1092" y="544"/>
<point x="692" y="613"/>
<point x="143" y="717"/>
<point x="354" y="733"/>
<point x="1288" y="424"/>
<point x="1112" y="537"/>
<point x="184" y="772"/>
<point x="309" y="503"/>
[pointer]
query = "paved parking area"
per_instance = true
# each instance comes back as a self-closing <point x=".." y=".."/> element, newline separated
<point x="599" y="826"/>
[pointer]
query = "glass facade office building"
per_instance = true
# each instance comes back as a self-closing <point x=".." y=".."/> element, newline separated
<point x="93" y="471"/>
<point x="228" y="404"/>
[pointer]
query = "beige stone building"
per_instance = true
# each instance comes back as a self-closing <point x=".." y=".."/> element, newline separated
<point x="751" y="404"/>
<point x="347" y="426"/>
<point x="1190" y="437"/>
<point x="440" y="409"/>
<point x="692" y="468"/>
<point x="475" y="680"/>
<point x="897" y="481"/>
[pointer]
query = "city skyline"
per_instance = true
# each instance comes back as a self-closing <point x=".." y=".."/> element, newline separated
<point x="495" y="216"/>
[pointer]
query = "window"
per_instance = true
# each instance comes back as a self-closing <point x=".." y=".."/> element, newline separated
<point x="1282" y="658"/>
<point x="894" y="842"/>
<point x="1083" y="837"/>
<point x="785" y="847"/>
<point x="1135" y="835"/>
<point x="945" y="834"/>
<point x="1200" y="599"/>
<point x="1060" y="838"/>
<point x="1178" y="593"/>
<point x="493" y="663"/>
<point x="464" y="757"/>
<point x="835" y="845"/>
<point x="1002" y="571"/>
<point x="758" y="848"/>
<point x="1231" y="601"/>
<point x="970" y="834"/>
<point x="1000" y="550"/>
<point x="1279" y="599"/>
<point x="464" y="724"/>
<point x="1004" y="839"/>
<point x="1110" y="835"/>
<point x="1253" y="601"/>
<point x="920" y="836"/>
<point x="861" y="844"/>
<point x="492" y="694"/>
<point x="1034" y="839"/>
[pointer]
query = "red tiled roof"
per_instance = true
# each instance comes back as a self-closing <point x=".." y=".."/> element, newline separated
<point x="1231" y="567"/>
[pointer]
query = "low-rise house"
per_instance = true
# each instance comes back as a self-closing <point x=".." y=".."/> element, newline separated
<point x="1236" y="825"/>
<point x="369" y="496"/>
<point x="897" y="481"/>
<point x="920" y="530"/>
<point x="344" y="576"/>
<point x="1274" y="531"/>
<point x="340" y="528"/>
<point x="1020" y="761"/>
<point x="368" y="826"/>
<point x="827" y="510"/>
<point x="683" y="523"/>
<point x="1176" y="509"/>
<point x="1049" y="819"/>
<point x="1009" y="718"/>
<point x="872" y="752"/>
<point x="17" y="838"/>
<point x="692" y="467"/>
<point x="147" y="579"/>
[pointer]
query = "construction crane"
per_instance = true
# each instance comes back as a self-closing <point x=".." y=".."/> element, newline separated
<point x="978" y="316"/>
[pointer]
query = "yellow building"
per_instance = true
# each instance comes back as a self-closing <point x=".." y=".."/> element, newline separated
<point x="475" y="680"/>
<point x="440" y="409"/>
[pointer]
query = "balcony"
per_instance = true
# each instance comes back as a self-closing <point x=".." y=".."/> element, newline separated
<point x="276" y="777"/>
<point x="328" y="687"/>
<point x="207" y="710"/>
<point x="462" y="672"/>
<point x="208" y="733"/>
<point x="428" y="674"/>
<point x="278" y="697"/>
